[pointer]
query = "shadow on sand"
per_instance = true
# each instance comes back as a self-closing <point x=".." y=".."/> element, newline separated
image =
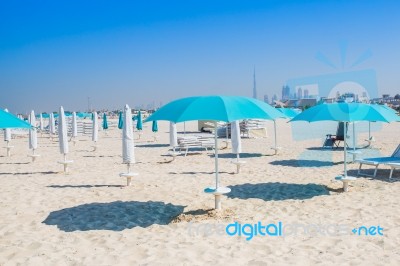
<point x="82" y="186"/>
<point x="381" y="175"/>
<point x="155" y="145"/>
<point x="241" y="155"/>
<point x="114" y="216"/>
<point x="30" y="173"/>
<point x="303" y="163"/>
<point x="277" y="191"/>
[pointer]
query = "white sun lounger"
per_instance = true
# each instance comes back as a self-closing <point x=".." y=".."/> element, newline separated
<point x="192" y="142"/>
<point x="394" y="158"/>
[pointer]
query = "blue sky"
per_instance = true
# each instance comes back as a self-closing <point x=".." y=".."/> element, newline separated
<point x="56" y="53"/>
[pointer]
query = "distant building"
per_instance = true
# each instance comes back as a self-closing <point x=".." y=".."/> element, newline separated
<point x="266" y="100"/>
<point x="306" y="94"/>
<point x="274" y="98"/>
<point x="301" y="103"/>
<point x="285" y="93"/>
<point x="299" y="93"/>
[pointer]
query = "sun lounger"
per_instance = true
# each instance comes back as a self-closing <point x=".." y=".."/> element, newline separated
<point x="193" y="142"/>
<point x="394" y="158"/>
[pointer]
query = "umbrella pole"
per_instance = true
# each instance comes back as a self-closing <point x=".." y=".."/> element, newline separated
<point x="216" y="156"/>
<point x="276" y="148"/>
<point x="345" y="149"/>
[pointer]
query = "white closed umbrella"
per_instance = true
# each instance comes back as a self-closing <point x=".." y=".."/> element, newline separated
<point x="173" y="135"/>
<point x="33" y="144"/>
<point x="7" y="138"/>
<point x="128" y="145"/>
<point x="95" y="130"/>
<point x="41" y="125"/>
<point x="74" y="128"/>
<point x="63" y="138"/>
<point x="236" y="144"/>
<point x="52" y="125"/>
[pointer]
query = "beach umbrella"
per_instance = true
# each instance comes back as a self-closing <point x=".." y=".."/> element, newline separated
<point x="52" y="125"/>
<point x="8" y="120"/>
<point x="95" y="129"/>
<point x="105" y="124"/>
<point x="216" y="108"/>
<point x="173" y="135"/>
<point x="236" y="144"/>
<point x="33" y="136"/>
<point x="289" y="112"/>
<point x="120" y="121"/>
<point x="74" y="128"/>
<point x="139" y="123"/>
<point x="41" y="125"/>
<point x="63" y="138"/>
<point x="346" y="112"/>
<point x="128" y="147"/>
<point x="154" y="128"/>
<point x="7" y="132"/>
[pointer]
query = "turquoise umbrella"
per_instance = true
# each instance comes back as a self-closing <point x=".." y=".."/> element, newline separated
<point x="120" y="121"/>
<point x="346" y="112"/>
<point x="216" y="108"/>
<point x="154" y="126"/>
<point x="139" y="124"/>
<point x="105" y="124"/>
<point x="8" y="120"/>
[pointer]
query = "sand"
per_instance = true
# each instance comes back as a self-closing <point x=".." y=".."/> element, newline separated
<point x="89" y="217"/>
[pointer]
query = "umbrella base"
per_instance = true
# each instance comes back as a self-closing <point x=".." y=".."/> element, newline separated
<point x="66" y="163"/>
<point x="276" y="149"/>
<point x="217" y="193"/>
<point x="238" y="165"/>
<point x="33" y="156"/>
<point x="128" y="177"/>
<point x="346" y="180"/>
<point x="9" y="150"/>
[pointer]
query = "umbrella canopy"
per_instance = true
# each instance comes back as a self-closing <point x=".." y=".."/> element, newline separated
<point x="128" y="152"/>
<point x="346" y="112"/>
<point x="8" y="120"/>
<point x="32" y="132"/>
<point x="139" y="123"/>
<point x="120" y="121"/>
<point x="173" y="135"/>
<point x="235" y="137"/>
<point x="105" y="124"/>
<point x="290" y="113"/>
<point x="224" y="108"/>
<point x="74" y="125"/>
<point x="52" y="124"/>
<point x="83" y="115"/>
<point x="154" y="126"/>
<point x="62" y="132"/>
<point x="95" y="127"/>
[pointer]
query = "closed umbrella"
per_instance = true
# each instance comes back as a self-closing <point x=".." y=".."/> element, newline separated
<point x="236" y="144"/>
<point x="346" y="112"/>
<point x="173" y="135"/>
<point x="52" y="125"/>
<point x="139" y="123"/>
<point x="7" y="138"/>
<point x="33" y="136"/>
<point x="154" y="128"/>
<point x="74" y="128"/>
<point x="41" y="125"/>
<point x="128" y="145"/>
<point x="105" y="124"/>
<point x="215" y="108"/>
<point x="63" y="138"/>
<point x="120" y="121"/>
<point x="95" y="130"/>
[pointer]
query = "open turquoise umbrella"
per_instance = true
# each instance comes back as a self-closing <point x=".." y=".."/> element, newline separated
<point x="216" y="108"/>
<point x="346" y="112"/>
<point x="105" y="124"/>
<point x="120" y="121"/>
<point x="139" y="124"/>
<point x="8" y="120"/>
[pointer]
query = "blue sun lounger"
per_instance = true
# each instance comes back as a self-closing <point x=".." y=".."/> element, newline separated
<point x="394" y="158"/>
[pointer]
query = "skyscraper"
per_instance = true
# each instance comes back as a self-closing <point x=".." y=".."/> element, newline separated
<point x="285" y="92"/>
<point x="300" y="93"/>
<point x="254" y="84"/>
<point x="266" y="100"/>
<point x="306" y="93"/>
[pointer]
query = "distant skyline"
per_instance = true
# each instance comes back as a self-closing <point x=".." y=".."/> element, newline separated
<point x="56" y="53"/>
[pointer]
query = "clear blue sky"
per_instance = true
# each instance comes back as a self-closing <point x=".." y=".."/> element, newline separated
<point x="56" y="53"/>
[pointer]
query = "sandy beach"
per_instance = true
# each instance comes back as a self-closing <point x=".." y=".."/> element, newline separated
<point x="89" y="216"/>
